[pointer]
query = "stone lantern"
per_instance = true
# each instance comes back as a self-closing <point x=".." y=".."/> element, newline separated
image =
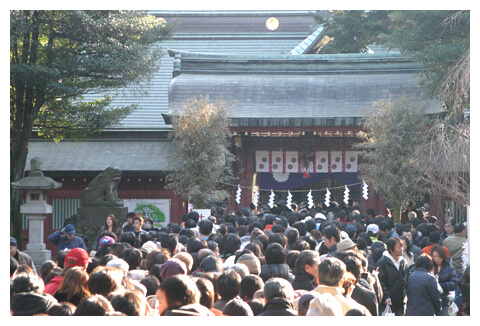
<point x="36" y="209"/>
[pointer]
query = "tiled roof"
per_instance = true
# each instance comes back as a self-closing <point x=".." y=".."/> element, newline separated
<point x="134" y="155"/>
<point x="239" y="32"/>
<point x="292" y="86"/>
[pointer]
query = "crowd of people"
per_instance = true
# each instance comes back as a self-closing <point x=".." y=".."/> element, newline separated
<point x="280" y="261"/>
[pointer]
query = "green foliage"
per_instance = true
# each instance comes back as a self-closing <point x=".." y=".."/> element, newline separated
<point x="201" y="137"/>
<point x="437" y="38"/>
<point x="395" y="128"/>
<point x="56" y="57"/>
<point x="352" y="31"/>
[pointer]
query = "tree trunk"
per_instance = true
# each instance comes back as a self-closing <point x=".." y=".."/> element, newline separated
<point x="397" y="211"/>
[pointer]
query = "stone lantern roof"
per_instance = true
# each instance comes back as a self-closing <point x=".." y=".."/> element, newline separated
<point x="36" y="180"/>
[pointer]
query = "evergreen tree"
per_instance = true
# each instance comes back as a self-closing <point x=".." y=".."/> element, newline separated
<point x="56" y="57"/>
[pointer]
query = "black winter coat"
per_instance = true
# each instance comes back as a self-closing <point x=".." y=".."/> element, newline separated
<point x="393" y="281"/>
<point x="366" y="297"/>
<point x="276" y="270"/>
<point x="303" y="281"/>
<point x="448" y="281"/>
<point x="423" y="296"/>
<point x="278" y="307"/>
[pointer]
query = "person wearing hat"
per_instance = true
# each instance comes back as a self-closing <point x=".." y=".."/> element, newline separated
<point x="252" y="262"/>
<point x="372" y="230"/>
<point x="75" y="257"/>
<point x="346" y="244"/>
<point x="66" y="239"/>
<point x="20" y="257"/>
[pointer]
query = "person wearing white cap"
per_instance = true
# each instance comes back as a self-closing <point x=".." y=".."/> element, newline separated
<point x="372" y="230"/>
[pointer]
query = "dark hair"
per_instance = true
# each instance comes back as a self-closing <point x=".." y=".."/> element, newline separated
<point x="424" y="261"/>
<point x="275" y="254"/>
<point x="331" y="271"/>
<point x="229" y="244"/>
<point x="353" y="265"/>
<point x="434" y="237"/>
<point x="237" y="307"/>
<point x="179" y="290"/>
<point x="228" y="284"/>
<point x="157" y="256"/>
<point x="193" y="215"/>
<point x="306" y="257"/>
<point x="56" y="271"/>
<point x="27" y="282"/>
<point x="61" y="257"/>
<point x="377" y="254"/>
<point x="331" y="231"/>
<point x="133" y="257"/>
<point x="63" y="308"/>
<point x="278" y="238"/>
<point x="292" y="235"/>
<point x="195" y="244"/>
<point x="392" y="242"/>
<point x="151" y="283"/>
<point x="442" y="253"/>
<point x="130" y="302"/>
<point x="105" y="259"/>
<point x="257" y="306"/>
<point x="170" y="242"/>
<point x="207" y="292"/>
<point x="459" y="227"/>
<point x="278" y="228"/>
<point x="291" y="258"/>
<point x="128" y="237"/>
<point x="138" y="218"/>
<point x="94" y="305"/>
<point x="254" y="247"/>
<point x="205" y="227"/>
<point x="269" y="219"/>
<point x="311" y="225"/>
<point x="155" y="271"/>
<point x="249" y="285"/>
<point x="384" y="226"/>
<point x="102" y="281"/>
<point x="262" y="240"/>
<point x="425" y="242"/>
<point x="301" y="227"/>
<point x="190" y="224"/>
<point x="371" y="212"/>
<point x="46" y="267"/>
<point x="114" y="223"/>
<point x="301" y="245"/>
<point x="211" y="263"/>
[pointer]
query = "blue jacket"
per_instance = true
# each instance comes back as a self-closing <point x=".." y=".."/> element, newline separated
<point x="422" y="293"/>
<point x="63" y="243"/>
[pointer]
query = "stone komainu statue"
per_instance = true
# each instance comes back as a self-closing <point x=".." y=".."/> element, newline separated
<point x="102" y="191"/>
